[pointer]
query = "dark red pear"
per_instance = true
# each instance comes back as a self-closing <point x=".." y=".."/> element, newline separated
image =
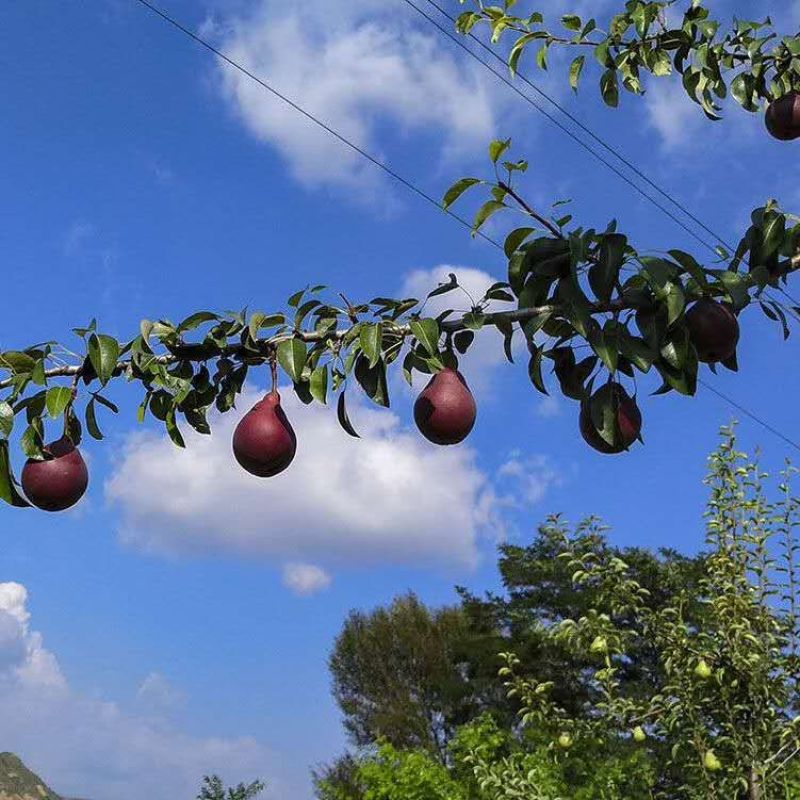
<point x="264" y="443"/>
<point x="445" y="410"/>
<point x="59" y="482"/>
<point x="628" y="420"/>
<point x="783" y="117"/>
<point x="713" y="329"/>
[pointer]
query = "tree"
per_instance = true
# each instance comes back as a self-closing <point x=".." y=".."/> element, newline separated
<point x="569" y="287"/>
<point x="398" y="675"/>
<point x="214" y="789"/>
<point x="720" y="720"/>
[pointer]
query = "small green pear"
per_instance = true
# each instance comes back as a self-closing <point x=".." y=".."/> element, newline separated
<point x="639" y="735"/>
<point x="711" y="762"/>
<point x="565" y="741"/>
<point x="702" y="670"/>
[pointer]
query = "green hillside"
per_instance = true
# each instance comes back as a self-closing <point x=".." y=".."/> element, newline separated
<point x="17" y="782"/>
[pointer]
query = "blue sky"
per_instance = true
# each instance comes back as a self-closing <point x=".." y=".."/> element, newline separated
<point x="180" y="620"/>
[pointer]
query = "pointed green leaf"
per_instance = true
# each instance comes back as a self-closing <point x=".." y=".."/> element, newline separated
<point x="103" y="355"/>
<point x="58" y="398"/>
<point x="344" y="420"/>
<point x="292" y="356"/>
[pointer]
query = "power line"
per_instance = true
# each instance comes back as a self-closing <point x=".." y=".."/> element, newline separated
<point x="407" y="183"/>
<point x="749" y="414"/>
<point x="309" y="116"/>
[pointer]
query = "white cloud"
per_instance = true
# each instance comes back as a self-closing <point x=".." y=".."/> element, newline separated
<point x="305" y="579"/>
<point x="342" y="500"/>
<point x="548" y="407"/>
<point x="527" y="477"/>
<point x="83" y="746"/>
<point x="156" y="694"/>
<point x="359" y="67"/>
<point x="671" y="112"/>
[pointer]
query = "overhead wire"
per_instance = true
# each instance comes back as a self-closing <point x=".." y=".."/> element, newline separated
<point x="311" y="117"/>
<point x="397" y="176"/>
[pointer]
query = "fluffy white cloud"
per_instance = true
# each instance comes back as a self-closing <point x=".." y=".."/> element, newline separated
<point x="674" y="116"/>
<point x="342" y="500"/>
<point x="83" y="746"/>
<point x="360" y="67"/>
<point x="305" y="579"/>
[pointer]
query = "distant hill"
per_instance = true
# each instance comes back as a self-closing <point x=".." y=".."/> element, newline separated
<point x="17" y="782"/>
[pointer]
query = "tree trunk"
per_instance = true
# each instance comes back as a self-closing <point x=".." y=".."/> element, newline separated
<point x="754" y="784"/>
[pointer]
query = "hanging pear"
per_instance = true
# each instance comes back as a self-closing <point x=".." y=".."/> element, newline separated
<point x="445" y="410"/>
<point x="264" y="442"/>
<point x="60" y="481"/>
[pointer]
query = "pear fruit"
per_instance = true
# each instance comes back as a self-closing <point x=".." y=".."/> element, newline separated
<point x="713" y="329"/>
<point x="565" y="741"/>
<point x="445" y="411"/>
<point x="783" y="117"/>
<point x="702" y="670"/>
<point x="264" y="443"/>
<point x="711" y="762"/>
<point x="629" y="421"/>
<point x="60" y="481"/>
<point x="639" y="735"/>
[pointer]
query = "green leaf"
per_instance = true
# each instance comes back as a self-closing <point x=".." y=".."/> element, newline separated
<point x="372" y="381"/>
<point x="488" y="209"/>
<point x="497" y="148"/>
<point x="259" y="320"/>
<point x="604" y="343"/>
<point x="444" y="288"/>
<point x="292" y="357"/>
<point x="515" y="239"/>
<point x="103" y="355"/>
<point x="535" y="368"/>
<point x="604" y="274"/>
<point x="91" y="421"/>
<point x="457" y="189"/>
<point x="426" y="332"/>
<point x="318" y="384"/>
<point x="370" y="337"/>
<point x="173" y="430"/>
<point x="18" y="363"/>
<point x="571" y="22"/>
<point x="9" y="493"/>
<point x="690" y="264"/>
<point x="195" y="320"/>
<point x="463" y="340"/>
<point x="575" y="71"/>
<point x="609" y="88"/>
<point x="58" y="398"/>
<point x="344" y="420"/>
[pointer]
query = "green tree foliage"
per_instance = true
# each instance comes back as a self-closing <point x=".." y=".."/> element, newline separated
<point x="214" y="789"/>
<point x="398" y="675"/>
<point x="749" y="60"/>
<point x="656" y="677"/>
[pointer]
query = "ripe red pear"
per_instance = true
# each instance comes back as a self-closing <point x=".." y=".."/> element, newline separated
<point x="629" y="421"/>
<point x="264" y="443"/>
<point x="445" y="411"/>
<point x="59" y="482"/>
<point x="783" y="117"/>
<point x="713" y="329"/>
